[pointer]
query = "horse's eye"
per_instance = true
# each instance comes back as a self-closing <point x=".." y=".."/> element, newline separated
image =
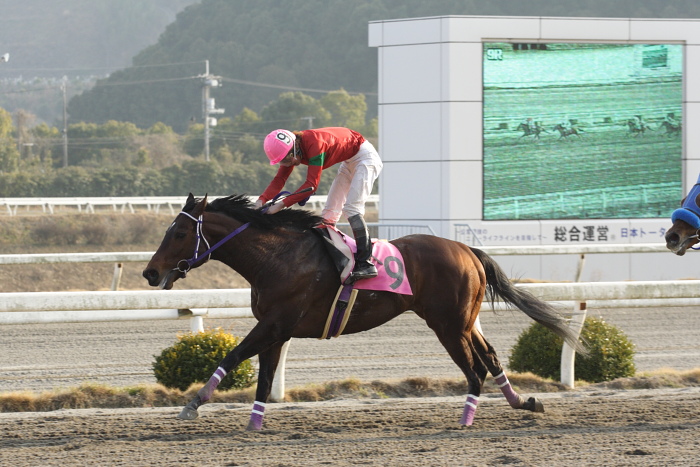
<point x="180" y="235"/>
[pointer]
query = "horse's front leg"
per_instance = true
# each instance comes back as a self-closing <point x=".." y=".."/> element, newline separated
<point x="268" y="359"/>
<point x="260" y="338"/>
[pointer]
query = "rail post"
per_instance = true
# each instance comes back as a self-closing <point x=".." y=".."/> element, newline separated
<point x="117" y="277"/>
<point x="277" y="392"/>
<point x="568" y="354"/>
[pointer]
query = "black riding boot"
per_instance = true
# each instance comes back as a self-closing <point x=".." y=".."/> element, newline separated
<point x="364" y="269"/>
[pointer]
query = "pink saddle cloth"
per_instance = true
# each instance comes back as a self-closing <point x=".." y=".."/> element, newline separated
<point x="391" y="268"/>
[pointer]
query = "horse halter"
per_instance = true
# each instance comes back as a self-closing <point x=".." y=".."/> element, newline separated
<point x="196" y="257"/>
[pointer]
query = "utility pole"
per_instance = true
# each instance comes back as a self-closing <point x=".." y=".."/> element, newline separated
<point x="65" y="125"/>
<point x="208" y="105"/>
<point x="309" y="122"/>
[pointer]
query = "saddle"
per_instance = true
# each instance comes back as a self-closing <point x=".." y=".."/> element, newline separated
<point x="344" y="261"/>
<point x="341" y="249"/>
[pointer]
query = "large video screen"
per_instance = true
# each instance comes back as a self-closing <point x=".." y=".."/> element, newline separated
<point x="582" y="130"/>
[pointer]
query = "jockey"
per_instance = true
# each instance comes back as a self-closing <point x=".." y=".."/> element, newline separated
<point x="319" y="149"/>
<point x="531" y="124"/>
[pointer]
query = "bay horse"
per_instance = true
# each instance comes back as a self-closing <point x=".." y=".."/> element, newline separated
<point x="294" y="281"/>
<point x="531" y="131"/>
<point x="637" y="129"/>
<point x="670" y="129"/>
<point x="684" y="232"/>
<point x="566" y="132"/>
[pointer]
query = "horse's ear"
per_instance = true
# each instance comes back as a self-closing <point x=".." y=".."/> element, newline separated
<point x="200" y="207"/>
<point x="189" y="204"/>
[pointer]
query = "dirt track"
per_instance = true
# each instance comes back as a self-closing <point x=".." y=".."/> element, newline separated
<point x="613" y="428"/>
<point x="644" y="427"/>
<point x="53" y="356"/>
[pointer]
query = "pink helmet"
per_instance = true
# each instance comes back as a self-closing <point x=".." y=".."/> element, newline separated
<point x="278" y="144"/>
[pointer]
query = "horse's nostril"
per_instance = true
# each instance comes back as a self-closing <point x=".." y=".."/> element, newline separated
<point x="672" y="238"/>
<point x="150" y="274"/>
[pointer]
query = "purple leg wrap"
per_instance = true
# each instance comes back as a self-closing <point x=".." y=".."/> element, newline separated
<point x="208" y="389"/>
<point x="512" y="397"/>
<point x="256" y="416"/>
<point x="469" y="410"/>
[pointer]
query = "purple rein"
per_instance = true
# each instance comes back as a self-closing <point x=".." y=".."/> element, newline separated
<point x="200" y="236"/>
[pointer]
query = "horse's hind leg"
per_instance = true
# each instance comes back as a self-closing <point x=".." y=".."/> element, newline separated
<point x="458" y="345"/>
<point x="487" y="354"/>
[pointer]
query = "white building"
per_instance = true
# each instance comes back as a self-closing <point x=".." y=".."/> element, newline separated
<point x="433" y="137"/>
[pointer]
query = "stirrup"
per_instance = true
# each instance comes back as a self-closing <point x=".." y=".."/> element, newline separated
<point x="362" y="271"/>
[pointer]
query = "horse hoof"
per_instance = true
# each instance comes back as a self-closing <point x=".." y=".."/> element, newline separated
<point x="252" y="426"/>
<point x="188" y="414"/>
<point x="533" y="405"/>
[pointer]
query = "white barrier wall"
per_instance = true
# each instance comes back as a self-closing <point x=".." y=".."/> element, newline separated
<point x="66" y="307"/>
<point x="431" y="139"/>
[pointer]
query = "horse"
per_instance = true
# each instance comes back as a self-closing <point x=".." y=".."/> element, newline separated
<point x="294" y="281"/>
<point x="566" y="132"/>
<point x="670" y="129"/>
<point x="684" y="232"/>
<point x="635" y="129"/>
<point x="529" y="131"/>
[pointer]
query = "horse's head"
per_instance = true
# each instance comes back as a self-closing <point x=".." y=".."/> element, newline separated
<point x="683" y="234"/>
<point x="680" y="237"/>
<point x="180" y="243"/>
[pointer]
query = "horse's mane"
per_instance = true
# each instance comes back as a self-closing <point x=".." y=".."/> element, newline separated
<point x="242" y="209"/>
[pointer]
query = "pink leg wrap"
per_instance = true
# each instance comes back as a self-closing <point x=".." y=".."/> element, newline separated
<point x="208" y="389"/>
<point x="469" y="410"/>
<point x="256" y="416"/>
<point x="512" y="397"/>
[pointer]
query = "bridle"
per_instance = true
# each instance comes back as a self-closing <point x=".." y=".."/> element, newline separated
<point x="697" y="235"/>
<point x="184" y="265"/>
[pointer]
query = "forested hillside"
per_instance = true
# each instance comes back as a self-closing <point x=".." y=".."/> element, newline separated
<point x="49" y="38"/>
<point x="293" y="64"/>
<point x="263" y="47"/>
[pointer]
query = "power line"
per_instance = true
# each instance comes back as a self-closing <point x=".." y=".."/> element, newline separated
<point x="111" y="69"/>
<point x="185" y="78"/>
<point x="147" y="81"/>
<point x="290" y="88"/>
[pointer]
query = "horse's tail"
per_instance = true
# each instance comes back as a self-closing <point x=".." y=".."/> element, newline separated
<point x="499" y="286"/>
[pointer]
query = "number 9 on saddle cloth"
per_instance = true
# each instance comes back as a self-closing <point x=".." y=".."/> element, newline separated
<point x="391" y="270"/>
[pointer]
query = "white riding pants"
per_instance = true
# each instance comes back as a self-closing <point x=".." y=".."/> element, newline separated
<point x="353" y="184"/>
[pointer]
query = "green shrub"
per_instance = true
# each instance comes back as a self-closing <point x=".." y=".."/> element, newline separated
<point x="195" y="356"/>
<point x="538" y="350"/>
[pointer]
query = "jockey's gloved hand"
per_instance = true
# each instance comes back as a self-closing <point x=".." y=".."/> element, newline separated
<point x="275" y="208"/>
<point x="258" y="203"/>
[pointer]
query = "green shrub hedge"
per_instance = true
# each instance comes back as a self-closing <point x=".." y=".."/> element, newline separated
<point x="195" y="357"/>
<point x="538" y="350"/>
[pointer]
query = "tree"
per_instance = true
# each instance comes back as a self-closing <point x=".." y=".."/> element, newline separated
<point x="246" y="122"/>
<point x="346" y="110"/>
<point x="45" y="138"/>
<point x="292" y="110"/>
<point x="9" y="155"/>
